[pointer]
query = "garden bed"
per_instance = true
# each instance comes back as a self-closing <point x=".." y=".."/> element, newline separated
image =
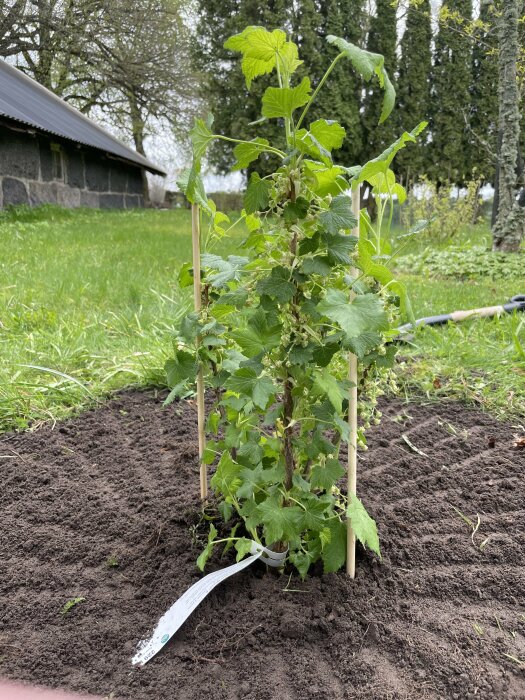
<point x="104" y="507"/>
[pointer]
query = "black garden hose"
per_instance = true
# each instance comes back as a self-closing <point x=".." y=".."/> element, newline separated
<point x="517" y="303"/>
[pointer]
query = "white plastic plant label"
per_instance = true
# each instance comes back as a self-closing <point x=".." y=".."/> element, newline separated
<point x="179" y="612"/>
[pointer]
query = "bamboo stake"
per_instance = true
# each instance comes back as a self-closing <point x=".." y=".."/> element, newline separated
<point x="195" y="240"/>
<point x="352" y="420"/>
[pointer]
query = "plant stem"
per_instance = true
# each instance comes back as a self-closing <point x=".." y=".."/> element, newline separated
<point x="316" y="91"/>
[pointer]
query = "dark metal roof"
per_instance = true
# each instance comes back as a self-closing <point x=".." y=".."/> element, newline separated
<point x="24" y="100"/>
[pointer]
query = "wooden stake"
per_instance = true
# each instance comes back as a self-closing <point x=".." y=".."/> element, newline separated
<point x="196" y="246"/>
<point x="352" y="419"/>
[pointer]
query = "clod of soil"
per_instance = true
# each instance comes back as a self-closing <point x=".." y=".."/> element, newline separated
<point x="104" y="508"/>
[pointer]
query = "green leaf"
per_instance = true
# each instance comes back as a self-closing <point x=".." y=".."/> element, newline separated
<point x="226" y="478"/>
<point x="324" y="477"/>
<point x="185" y="278"/>
<point x="293" y="211"/>
<point x="334" y="551"/>
<point x="201" y="136"/>
<point x="280" y="522"/>
<point x="326" y="384"/>
<point x="339" y="216"/>
<point x="190" y="327"/>
<point x="368" y="64"/>
<point x="317" y="265"/>
<point x="324" y="179"/>
<point x="246" y="153"/>
<point x="257" y="195"/>
<point x="383" y="161"/>
<point x="258" y="337"/>
<point x="313" y="517"/>
<point x="207" y="552"/>
<point x="259" y="389"/>
<point x="289" y="58"/>
<point x="329" y="134"/>
<point x="228" y="270"/>
<point x="364" y="313"/>
<point x="243" y="547"/>
<point x="258" y="47"/>
<point x="339" y="247"/>
<point x="364" y="343"/>
<point x="277" y="285"/>
<point x="281" y="102"/>
<point x="180" y="368"/>
<point x="364" y="527"/>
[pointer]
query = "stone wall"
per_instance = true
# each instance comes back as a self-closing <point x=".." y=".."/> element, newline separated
<point x="28" y="174"/>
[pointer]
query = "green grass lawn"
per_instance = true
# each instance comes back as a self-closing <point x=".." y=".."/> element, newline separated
<point x="94" y="295"/>
<point x="90" y="294"/>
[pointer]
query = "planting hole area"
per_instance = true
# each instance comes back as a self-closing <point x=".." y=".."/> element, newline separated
<point x="100" y="529"/>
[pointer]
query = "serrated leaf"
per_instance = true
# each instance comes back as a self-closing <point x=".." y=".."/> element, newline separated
<point x="317" y="265"/>
<point x="289" y="58"/>
<point x="257" y="195"/>
<point x="326" y="384"/>
<point x="339" y="247"/>
<point x="258" y="337"/>
<point x="293" y="211"/>
<point x="302" y="562"/>
<point x="334" y="551"/>
<point x="281" y="102"/>
<point x="246" y="153"/>
<point x="228" y="270"/>
<point x="339" y="216"/>
<point x="226" y="478"/>
<point x="262" y="44"/>
<point x="325" y="476"/>
<point x="258" y="388"/>
<point x="364" y="527"/>
<point x="280" y="522"/>
<point x="324" y="179"/>
<point x="364" y="313"/>
<point x="243" y="547"/>
<point x="201" y="136"/>
<point x="329" y="134"/>
<point x="363" y="344"/>
<point x="383" y="161"/>
<point x="313" y="516"/>
<point x="277" y="285"/>
<point x="367" y="64"/>
<point x="180" y="368"/>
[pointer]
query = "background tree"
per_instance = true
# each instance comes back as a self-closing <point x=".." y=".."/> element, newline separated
<point x="127" y="60"/>
<point x="483" y="122"/>
<point x="413" y="94"/>
<point x="452" y="79"/>
<point x="509" y="228"/>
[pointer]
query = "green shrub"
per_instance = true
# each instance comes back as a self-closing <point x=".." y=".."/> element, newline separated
<point x="447" y="214"/>
<point x="280" y="318"/>
<point x="464" y="264"/>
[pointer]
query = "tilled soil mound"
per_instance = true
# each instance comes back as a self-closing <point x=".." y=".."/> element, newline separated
<point x="104" y="507"/>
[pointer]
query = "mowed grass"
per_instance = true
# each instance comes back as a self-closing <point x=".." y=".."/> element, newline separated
<point x="481" y="361"/>
<point x="94" y="295"/>
<point x="90" y="294"/>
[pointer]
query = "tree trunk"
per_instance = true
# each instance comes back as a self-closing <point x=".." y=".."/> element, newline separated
<point x="509" y="228"/>
<point x="137" y="125"/>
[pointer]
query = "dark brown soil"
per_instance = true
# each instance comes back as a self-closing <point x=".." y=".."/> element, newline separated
<point x="441" y="617"/>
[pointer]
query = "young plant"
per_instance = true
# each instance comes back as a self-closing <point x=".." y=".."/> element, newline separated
<point x="277" y="322"/>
